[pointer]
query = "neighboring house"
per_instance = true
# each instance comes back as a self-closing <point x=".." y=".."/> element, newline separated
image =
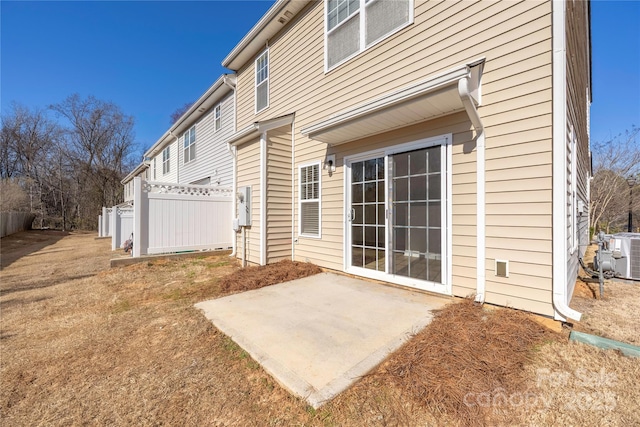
<point x="433" y="144"/>
<point x="193" y="151"/>
<point x="142" y="171"/>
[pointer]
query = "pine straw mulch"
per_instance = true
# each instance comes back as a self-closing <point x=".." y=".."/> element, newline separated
<point x="266" y="275"/>
<point x="467" y="355"/>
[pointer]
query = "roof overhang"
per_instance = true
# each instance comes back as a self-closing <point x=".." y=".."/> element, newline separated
<point x="222" y="86"/>
<point x="268" y="26"/>
<point x="254" y="130"/>
<point x="141" y="167"/>
<point x="437" y="96"/>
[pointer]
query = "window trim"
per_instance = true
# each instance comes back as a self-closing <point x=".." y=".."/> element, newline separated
<point x="185" y="148"/>
<point x="319" y="200"/>
<point x="363" y="45"/>
<point x="166" y="163"/>
<point x="217" y="118"/>
<point x="265" y="81"/>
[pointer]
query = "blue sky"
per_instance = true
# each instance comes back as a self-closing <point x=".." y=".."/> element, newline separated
<point x="151" y="57"/>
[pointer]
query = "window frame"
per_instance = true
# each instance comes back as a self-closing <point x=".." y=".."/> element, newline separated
<point x="362" y="34"/>
<point x="217" y="118"/>
<point x="186" y="148"/>
<point x="265" y="81"/>
<point x="166" y="160"/>
<point x="318" y="200"/>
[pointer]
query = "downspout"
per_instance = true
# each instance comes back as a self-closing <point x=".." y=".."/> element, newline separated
<point x="234" y="165"/>
<point x="234" y="189"/>
<point x="559" y="256"/>
<point x="472" y="112"/>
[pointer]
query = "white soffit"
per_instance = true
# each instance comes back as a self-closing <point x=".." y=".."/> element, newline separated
<point x="269" y="25"/>
<point x="428" y="99"/>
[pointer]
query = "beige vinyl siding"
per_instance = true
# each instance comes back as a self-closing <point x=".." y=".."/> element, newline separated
<point x="515" y="39"/>
<point x="577" y="85"/>
<point x="213" y="159"/>
<point x="248" y="158"/>
<point x="279" y="194"/>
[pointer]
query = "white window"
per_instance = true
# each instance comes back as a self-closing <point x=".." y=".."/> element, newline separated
<point x="351" y="26"/>
<point x="310" y="200"/>
<point x="217" y="120"/>
<point x="166" y="154"/>
<point x="262" y="81"/>
<point x="190" y="145"/>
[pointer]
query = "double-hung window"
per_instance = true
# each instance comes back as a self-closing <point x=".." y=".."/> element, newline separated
<point x="262" y="81"/>
<point x="351" y="26"/>
<point x="217" y="118"/>
<point x="190" y="145"/>
<point x="310" y="200"/>
<point x="166" y="154"/>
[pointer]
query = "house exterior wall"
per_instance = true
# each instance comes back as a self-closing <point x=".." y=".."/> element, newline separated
<point x="128" y="186"/>
<point x="213" y="160"/>
<point x="278" y="233"/>
<point x="172" y="175"/>
<point x="248" y="174"/>
<point x="578" y="99"/>
<point x="515" y="39"/>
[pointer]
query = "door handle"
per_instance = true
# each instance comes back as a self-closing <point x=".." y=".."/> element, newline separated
<point x="352" y="215"/>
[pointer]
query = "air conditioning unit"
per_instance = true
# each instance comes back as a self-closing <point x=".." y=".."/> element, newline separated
<point x="625" y="247"/>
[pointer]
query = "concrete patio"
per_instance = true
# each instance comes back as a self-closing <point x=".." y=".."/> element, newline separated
<point x="317" y="335"/>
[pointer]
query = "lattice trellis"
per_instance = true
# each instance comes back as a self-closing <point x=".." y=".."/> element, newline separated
<point x="188" y="190"/>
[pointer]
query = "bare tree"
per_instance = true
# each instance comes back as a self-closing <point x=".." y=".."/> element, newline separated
<point x="179" y="112"/>
<point x="614" y="161"/>
<point x="12" y="196"/>
<point x="26" y="138"/>
<point x="100" y="144"/>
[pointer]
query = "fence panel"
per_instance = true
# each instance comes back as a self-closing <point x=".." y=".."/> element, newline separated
<point x="177" y="217"/>
<point x="121" y="226"/>
<point x="12" y="222"/>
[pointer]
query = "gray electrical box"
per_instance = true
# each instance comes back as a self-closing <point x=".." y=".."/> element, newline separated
<point x="244" y="206"/>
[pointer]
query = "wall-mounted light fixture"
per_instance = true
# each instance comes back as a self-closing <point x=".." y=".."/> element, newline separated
<point x="330" y="163"/>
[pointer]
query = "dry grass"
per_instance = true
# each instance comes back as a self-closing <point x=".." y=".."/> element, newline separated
<point x="85" y="344"/>
<point x="607" y="316"/>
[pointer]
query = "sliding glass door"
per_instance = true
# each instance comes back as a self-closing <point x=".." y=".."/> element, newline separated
<point x="396" y="217"/>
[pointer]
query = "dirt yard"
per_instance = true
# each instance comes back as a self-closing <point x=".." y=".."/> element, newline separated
<point x="85" y="344"/>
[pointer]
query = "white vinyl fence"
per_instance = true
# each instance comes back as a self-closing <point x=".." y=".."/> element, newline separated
<point x="121" y="225"/>
<point x="172" y="217"/>
<point x="12" y="222"/>
<point x="104" y="222"/>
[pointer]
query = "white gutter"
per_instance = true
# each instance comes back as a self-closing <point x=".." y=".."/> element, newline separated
<point x="204" y="103"/>
<point x="472" y="112"/>
<point x="272" y="22"/>
<point x="559" y="281"/>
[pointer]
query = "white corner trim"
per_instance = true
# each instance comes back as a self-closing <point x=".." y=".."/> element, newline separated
<point x="559" y="259"/>
<point x="263" y="198"/>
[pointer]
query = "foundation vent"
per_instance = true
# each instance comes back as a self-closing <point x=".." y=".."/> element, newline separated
<point x="502" y="268"/>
